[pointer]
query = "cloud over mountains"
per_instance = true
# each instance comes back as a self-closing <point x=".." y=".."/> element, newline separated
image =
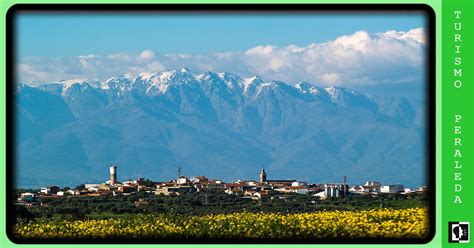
<point x="360" y="58"/>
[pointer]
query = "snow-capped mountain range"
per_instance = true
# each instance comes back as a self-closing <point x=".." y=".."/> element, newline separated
<point x="217" y="124"/>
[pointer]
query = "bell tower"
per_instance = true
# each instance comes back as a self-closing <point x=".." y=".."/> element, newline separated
<point x="263" y="176"/>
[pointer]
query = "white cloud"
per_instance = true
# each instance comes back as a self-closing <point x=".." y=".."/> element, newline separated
<point x="414" y="34"/>
<point x="331" y="78"/>
<point x="353" y="59"/>
<point x="155" y="66"/>
<point x="260" y="50"/>
<point x="356" y="42"/>
<point x="90" y="56"/>
<point x="146" y="55"/>
<point x="120" y="56"/>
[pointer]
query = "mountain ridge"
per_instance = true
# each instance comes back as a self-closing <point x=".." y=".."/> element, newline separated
<point x="213" y="123"/>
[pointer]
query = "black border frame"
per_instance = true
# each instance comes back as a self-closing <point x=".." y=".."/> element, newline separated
<point x="218" y="9"/>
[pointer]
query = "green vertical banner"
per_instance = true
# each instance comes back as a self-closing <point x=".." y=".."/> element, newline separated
<point x="458" y="123"/>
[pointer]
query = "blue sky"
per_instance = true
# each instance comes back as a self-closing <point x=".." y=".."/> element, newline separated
<point x="59" y="35"/>
<point x="347" y="50"/>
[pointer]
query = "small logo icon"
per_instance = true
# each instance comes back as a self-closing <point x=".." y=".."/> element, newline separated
<point x="458" y="232"/>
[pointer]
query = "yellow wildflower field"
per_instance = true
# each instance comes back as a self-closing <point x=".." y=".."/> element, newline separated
<point x="375" y="223"/>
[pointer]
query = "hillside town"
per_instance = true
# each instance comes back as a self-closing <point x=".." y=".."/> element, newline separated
<point x="251" y="189"/>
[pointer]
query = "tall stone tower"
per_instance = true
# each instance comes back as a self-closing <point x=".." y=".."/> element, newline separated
<point x="113" y="174"/>
<point x="263" y="176"/>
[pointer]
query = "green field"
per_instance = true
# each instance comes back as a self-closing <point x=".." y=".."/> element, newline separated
<point x="208" y="203"/>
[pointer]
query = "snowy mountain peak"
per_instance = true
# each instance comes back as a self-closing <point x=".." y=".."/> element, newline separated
<point x="350" y="98"/>
<point x="208" y="76"/>
<point x="156" y="83"/>
<point x="252" y="80"/>
<point x="249" y="84"/>
<point x="306" y="88"/>
<point x="338" y="92"/>
<point x="229" y="77"/>
<point x="184" y="70"/>
<point x="88" y="82"/>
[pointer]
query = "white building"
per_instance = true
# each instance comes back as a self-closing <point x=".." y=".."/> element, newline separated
<point x="372" y="183"/>
<point x="321" y="195"/>
<point x="129" y="182"/>
<point x="302" y="190"/>
<point x="359" y="189"/>
<point x="394" y="188"/>
<point x="408" y="191"/>
<point x="92" y="185"/>
<point x="45" y="191"/>
<point x="195" y="179"/>
<point x="369" y="187"/>
<point x="251" y="183"/>
<point x="93" y="189"/>
<point x="182" y="180"/>
<point x="365" y="189"/>
<point x="72" y="192"/>
<point x="27" y="197"/>
<point x="296" y="183"/>
<point x="422" y="189"/>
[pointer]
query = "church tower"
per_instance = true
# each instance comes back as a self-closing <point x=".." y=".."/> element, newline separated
<point x="263" y="176"/>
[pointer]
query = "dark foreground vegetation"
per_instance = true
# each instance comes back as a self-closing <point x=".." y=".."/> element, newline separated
<point x="203" y="203"/>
